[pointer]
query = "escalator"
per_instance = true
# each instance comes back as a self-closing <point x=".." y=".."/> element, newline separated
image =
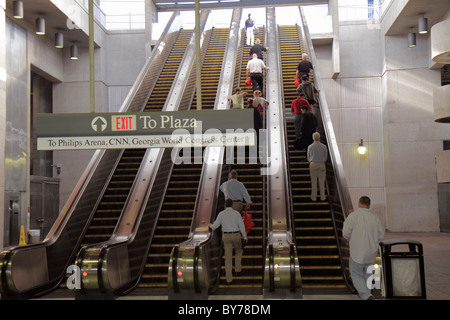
<point x="316" y="235"/>
<point x="166" y="78"/>
<point x="93" y="207"/>
<point x="291" y="55"/>
<point x="178" y="206"/>
<point x="113" y="201"/>
<point x="211" y="68"/>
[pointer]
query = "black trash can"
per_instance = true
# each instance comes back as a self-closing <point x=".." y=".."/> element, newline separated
<point x="403" y="272"/>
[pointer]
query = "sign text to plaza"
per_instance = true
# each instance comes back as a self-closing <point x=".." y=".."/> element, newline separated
<point x="145" y="130"/>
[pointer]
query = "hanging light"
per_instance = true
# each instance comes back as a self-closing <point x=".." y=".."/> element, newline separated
<point x="411" y="39"/>
<point x="362" y="149"/>
<point x="18" y="9"/>
<point x="74" y="52"/>
<point x="423" y="25"/>
<point x="59" y="40"/>
<point x="40" y="26"/>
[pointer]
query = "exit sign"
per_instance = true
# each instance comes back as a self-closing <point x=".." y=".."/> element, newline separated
<point x="123" y="123"/>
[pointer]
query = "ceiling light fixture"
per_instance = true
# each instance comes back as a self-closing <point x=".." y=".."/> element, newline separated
<point x="40" y="26"/>
<point x="18" y="9"/>
<point x="59" y="40"/>
<point x="423" y="25"/>
<point x="411" y="39"/>
<point x="74" y="52"/>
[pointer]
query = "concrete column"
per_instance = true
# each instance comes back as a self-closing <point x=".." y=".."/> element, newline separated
<point x="335" y="54"/>
<point x="149" y="10"/>
<point x="2" y="115"/>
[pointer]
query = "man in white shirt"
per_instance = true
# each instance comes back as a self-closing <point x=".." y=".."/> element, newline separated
<point x="255" y="68"/>
<point x="236" y="191"/>
<point x="364" y="231"/>
<point x="232" y="228"/>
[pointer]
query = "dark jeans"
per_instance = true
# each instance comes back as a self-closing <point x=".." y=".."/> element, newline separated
<point x="257" y="81"/>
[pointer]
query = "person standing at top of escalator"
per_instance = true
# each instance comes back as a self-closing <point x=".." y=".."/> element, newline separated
<point x="249" y="25"/>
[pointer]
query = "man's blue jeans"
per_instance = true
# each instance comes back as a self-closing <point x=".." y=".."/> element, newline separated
<point x="359" y="275"/>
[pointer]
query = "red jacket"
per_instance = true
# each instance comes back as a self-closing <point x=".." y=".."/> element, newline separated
<point x="297" y="105"/>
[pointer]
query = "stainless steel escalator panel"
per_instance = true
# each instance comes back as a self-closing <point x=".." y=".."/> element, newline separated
<point x="282" y="274"/>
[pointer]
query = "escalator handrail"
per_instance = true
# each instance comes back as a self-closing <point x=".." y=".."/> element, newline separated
<point x="281" y="213"/>
<point x="201" y="240"/>
<point x="334" y="158"/>
<point x="274" y="86"/>
<point x="288" y="164"/>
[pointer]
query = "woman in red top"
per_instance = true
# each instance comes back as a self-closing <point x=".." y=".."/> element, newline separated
<point x="296" y="109"/>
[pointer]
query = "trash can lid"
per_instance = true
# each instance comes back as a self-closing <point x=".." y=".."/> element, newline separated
<point x="399" y="241"/>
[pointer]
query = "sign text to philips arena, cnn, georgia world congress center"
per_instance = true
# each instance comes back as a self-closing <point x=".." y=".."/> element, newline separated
<point x="81" y="131"/>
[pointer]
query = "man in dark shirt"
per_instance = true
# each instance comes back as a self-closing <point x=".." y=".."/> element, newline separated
<point x="308" y="126"/>
<point x="258" y="49"/>
<point x="304" y="67"/>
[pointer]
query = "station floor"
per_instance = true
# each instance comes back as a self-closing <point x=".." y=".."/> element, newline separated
<point x="436" y="252"/>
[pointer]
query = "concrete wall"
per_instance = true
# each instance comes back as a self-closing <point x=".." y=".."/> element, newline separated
<point x="116" y="68"/>
<point x="384" y="95"/>
<point x="119" y="58"/>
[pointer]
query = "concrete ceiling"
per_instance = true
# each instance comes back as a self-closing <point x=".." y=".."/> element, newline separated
<point x="433" y="10"/>
<point x="55" y="21"/>
<point x="170" y="5"/>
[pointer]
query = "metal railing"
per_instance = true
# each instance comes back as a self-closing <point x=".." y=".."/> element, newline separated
<point x="281" y="254"/>
<point x="339" y="196"/>
<point x="195" y="263"/>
